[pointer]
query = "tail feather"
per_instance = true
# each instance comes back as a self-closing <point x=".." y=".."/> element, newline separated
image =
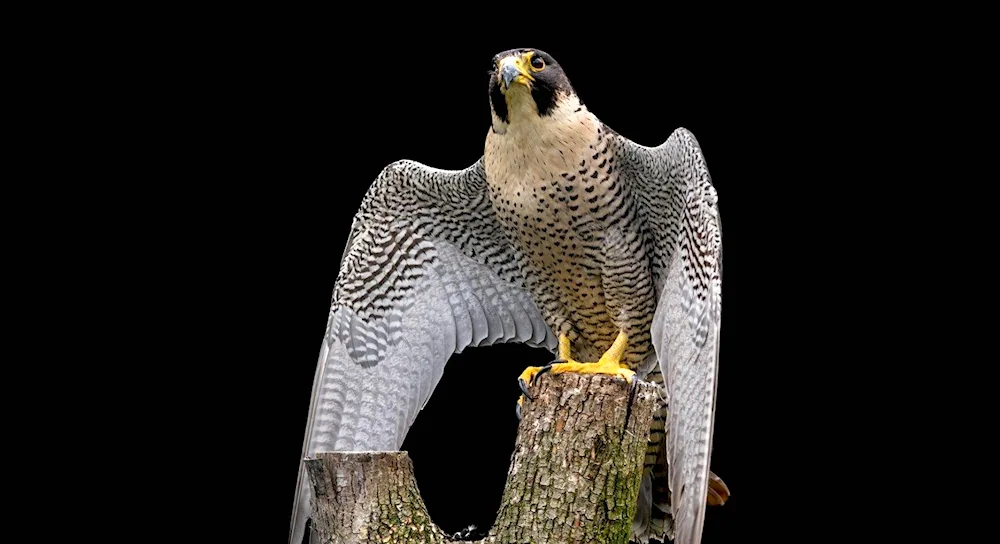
<point x="652" y="518"/>
<point x="652" y="522"/>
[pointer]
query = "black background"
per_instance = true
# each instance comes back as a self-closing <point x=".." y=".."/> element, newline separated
<point x="296" y="118"/>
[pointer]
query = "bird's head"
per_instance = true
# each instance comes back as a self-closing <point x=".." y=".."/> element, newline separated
<point x="526" y="82"/>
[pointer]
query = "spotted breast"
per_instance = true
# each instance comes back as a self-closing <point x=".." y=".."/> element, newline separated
<point x="554" y="185"/>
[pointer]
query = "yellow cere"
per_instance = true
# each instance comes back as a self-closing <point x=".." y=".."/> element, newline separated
<point x="523" y="64"/>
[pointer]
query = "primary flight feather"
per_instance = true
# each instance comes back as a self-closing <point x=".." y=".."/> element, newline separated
<point x="564" y="235"/>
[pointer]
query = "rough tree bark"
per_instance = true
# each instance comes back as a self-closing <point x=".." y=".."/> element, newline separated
<point x="574" y="475"/>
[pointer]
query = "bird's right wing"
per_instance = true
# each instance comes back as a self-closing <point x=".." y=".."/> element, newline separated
<point x="680" y="207"/>
<point x="426" y="273"/>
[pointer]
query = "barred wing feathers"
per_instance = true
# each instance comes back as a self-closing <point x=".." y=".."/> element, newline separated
<point x="426" y="273"/>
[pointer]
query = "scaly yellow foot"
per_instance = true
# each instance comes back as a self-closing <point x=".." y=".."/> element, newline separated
<point x="610" y="363"/>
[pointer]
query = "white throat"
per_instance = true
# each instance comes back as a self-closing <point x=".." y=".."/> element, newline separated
<point x="524" y="120"/>
<point x="532" y="145"/>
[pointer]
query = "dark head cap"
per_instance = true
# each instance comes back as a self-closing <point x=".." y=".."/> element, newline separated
<point x="533" y="70"/>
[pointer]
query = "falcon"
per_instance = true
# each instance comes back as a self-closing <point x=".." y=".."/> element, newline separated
<point x="564" y="235"/>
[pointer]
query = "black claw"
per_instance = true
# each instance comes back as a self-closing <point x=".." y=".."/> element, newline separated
<point x="518" y="406"/>
<point x="546" y="368"/>
<point x="524" y="388"/>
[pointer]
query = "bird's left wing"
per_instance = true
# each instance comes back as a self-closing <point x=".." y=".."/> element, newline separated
<point x="679" y="207"/>
<point x="426" y="273"/>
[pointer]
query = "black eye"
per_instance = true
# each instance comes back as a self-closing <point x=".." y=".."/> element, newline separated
<point x="537" y="63"/>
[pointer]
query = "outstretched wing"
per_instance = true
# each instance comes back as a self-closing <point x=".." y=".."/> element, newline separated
<point x="679" y="206"/>
<point x="426" y="273"/>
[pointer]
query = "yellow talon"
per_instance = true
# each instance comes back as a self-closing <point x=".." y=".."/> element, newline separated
<point x="564" y="347"/>
<point x="610" y="363"/>
<point x="528" y="375"/>
<point x="610" y="367"/>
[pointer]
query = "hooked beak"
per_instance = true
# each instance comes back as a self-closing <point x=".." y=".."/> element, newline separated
<point x="511" y="71"/>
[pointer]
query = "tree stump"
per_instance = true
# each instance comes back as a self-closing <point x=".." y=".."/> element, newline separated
<point x="574" y="475"/>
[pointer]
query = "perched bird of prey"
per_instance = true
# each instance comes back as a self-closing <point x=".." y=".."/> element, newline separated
<point x="565" y="235"/>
